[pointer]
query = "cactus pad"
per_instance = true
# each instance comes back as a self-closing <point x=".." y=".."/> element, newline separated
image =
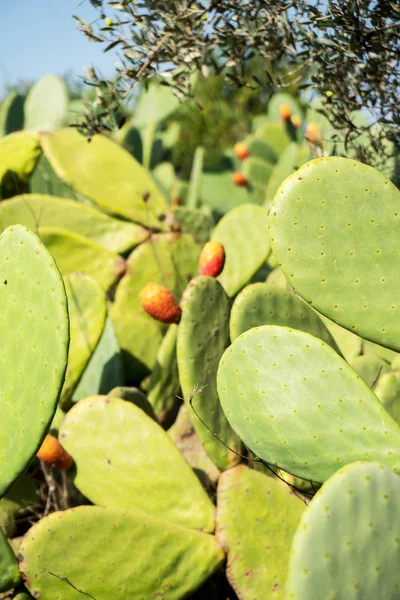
<point x="244" y="234"/>
<point x="298" y="405"/>
<point x="107" y="553"/>
<point x="74" y="253"/>
<point x="9" y="572"/>
<point x="46" y="104"/>
<point x="347" y="545"/>
<point x="203" y="335"/>
<point x="136" y="464"/>
<point x="35" y="336"/>
<point x="87" y="313"/>
<point x="38" y="210"/>
<point x="334" y="230"/>
<point x="106" y="174"/>
<point x="19" y="153"/>
<point x="257" y="518"/>
<point x="264" y="304"/>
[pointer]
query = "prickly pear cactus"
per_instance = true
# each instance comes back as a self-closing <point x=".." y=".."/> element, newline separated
<point x="118" y="546"/>
<point x="251" y="508"/>
<point x="40" y="210"/>
<point x="35" y="336"/>
<point x="164" y="383"/>
<point x="136" y="464"/>
<point x="87" y="313"/>
<point x="74" y="253"/>
<point x="12" y="114"/>
<point x="298" y="405"/>
<point x="291" y="159"/>
<point x="19" y="153"/>
<point x="370" y="368"/>
<point x="46" y="104"/>
<point x="203" y="336"/>
<point x="264" y="304"/>
<point x="243" y="233"/>
<point x="106" y="174"/>
<point x="388" y="391"/>
<point x="347" y="545"/>
<point x="334" y="229"/>
<point x="9" y="572"/>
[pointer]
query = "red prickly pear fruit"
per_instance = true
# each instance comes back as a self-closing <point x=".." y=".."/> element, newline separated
<point x="239" y="178"/>
<point x="212" y="259"/>
<point x="159" y="302"/>
<point x="241" y="151"/>
<point x="285" y="111"/>
<point x="52" y="453"/>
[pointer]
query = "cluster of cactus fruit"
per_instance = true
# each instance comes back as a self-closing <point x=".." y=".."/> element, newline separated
<point x="279" y="327"/>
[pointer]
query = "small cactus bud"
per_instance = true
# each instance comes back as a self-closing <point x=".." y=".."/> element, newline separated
<point x="241" y="151"/>
<point x="52" y="453"/>
<point x="239" y="178"/>
<point x="285" y="111"/>
<point x="312" y="132"/>
<point x="159" y="302"/>
<point x="296" y="121"/>
<point x="212" y="259"/>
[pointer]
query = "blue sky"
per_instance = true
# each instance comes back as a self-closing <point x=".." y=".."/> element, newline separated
<point x="40" y="37"/>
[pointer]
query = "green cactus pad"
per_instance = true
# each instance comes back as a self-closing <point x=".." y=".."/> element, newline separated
<point x="168" y="259"/>
<point x="293" y="157"/>
<point x="244" y="235"/>
<point x="350" y="344"/>
<point x="108" y="553"/>
<point x="257" y="518"/>
<point x="370" y="368"/>
<point x="218" y="191"/>
<point x="347" y="545"/>
<point x="388" y="391"/>
<point x="264" y="304"/>
<point x="9" y="572"/>
<point x="164" y="386"/>
<point x="136" y="396"/>
<point x="107" y="174"/>
<point x="260" y="149"/>
<point x="46" y="104"/>
<point x="34" y="348"/>
<point x="257" y="172"/>
<point x="19" y="153"/>
<point x="136" y="464"/>
<point x="333" y="228"/>
<point x="282" y="98"/>
<point x="74" y="253"/>
<point x="194" y="221"/>
<point x="184" y="436"/>
<point x="87" y="313"/>
<point x="275" y="134"/>
<point x="39" y="210"/>
<point x="203" y="336"/>
<point x="12" y="114"/>
<point x="104" y="369"/>
<point x="298" y="405"/>
<point x="45" y="181"/>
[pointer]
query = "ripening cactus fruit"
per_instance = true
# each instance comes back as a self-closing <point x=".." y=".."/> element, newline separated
<point x="52" y="453"/>
<point x="160" y="303"/>
<point x="239" y="178"/>
<point x="312" y="132"/>
<point x="296" y="121"/>
<point x="241" y="150"/>
<point x="212" y="259"/>
<point x="285" y="111"/>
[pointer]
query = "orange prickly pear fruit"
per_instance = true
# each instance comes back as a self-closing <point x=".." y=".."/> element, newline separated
<point x="312" y="132"/>
<point x="239" y="178"/>
<point x="296" y="121"/>
<point x="285" y="111"/>
<point x="241" y="151"/>
<point x="159" y="302"/>
<point x="212" y="259"/>
<point x="52" y="453"/>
